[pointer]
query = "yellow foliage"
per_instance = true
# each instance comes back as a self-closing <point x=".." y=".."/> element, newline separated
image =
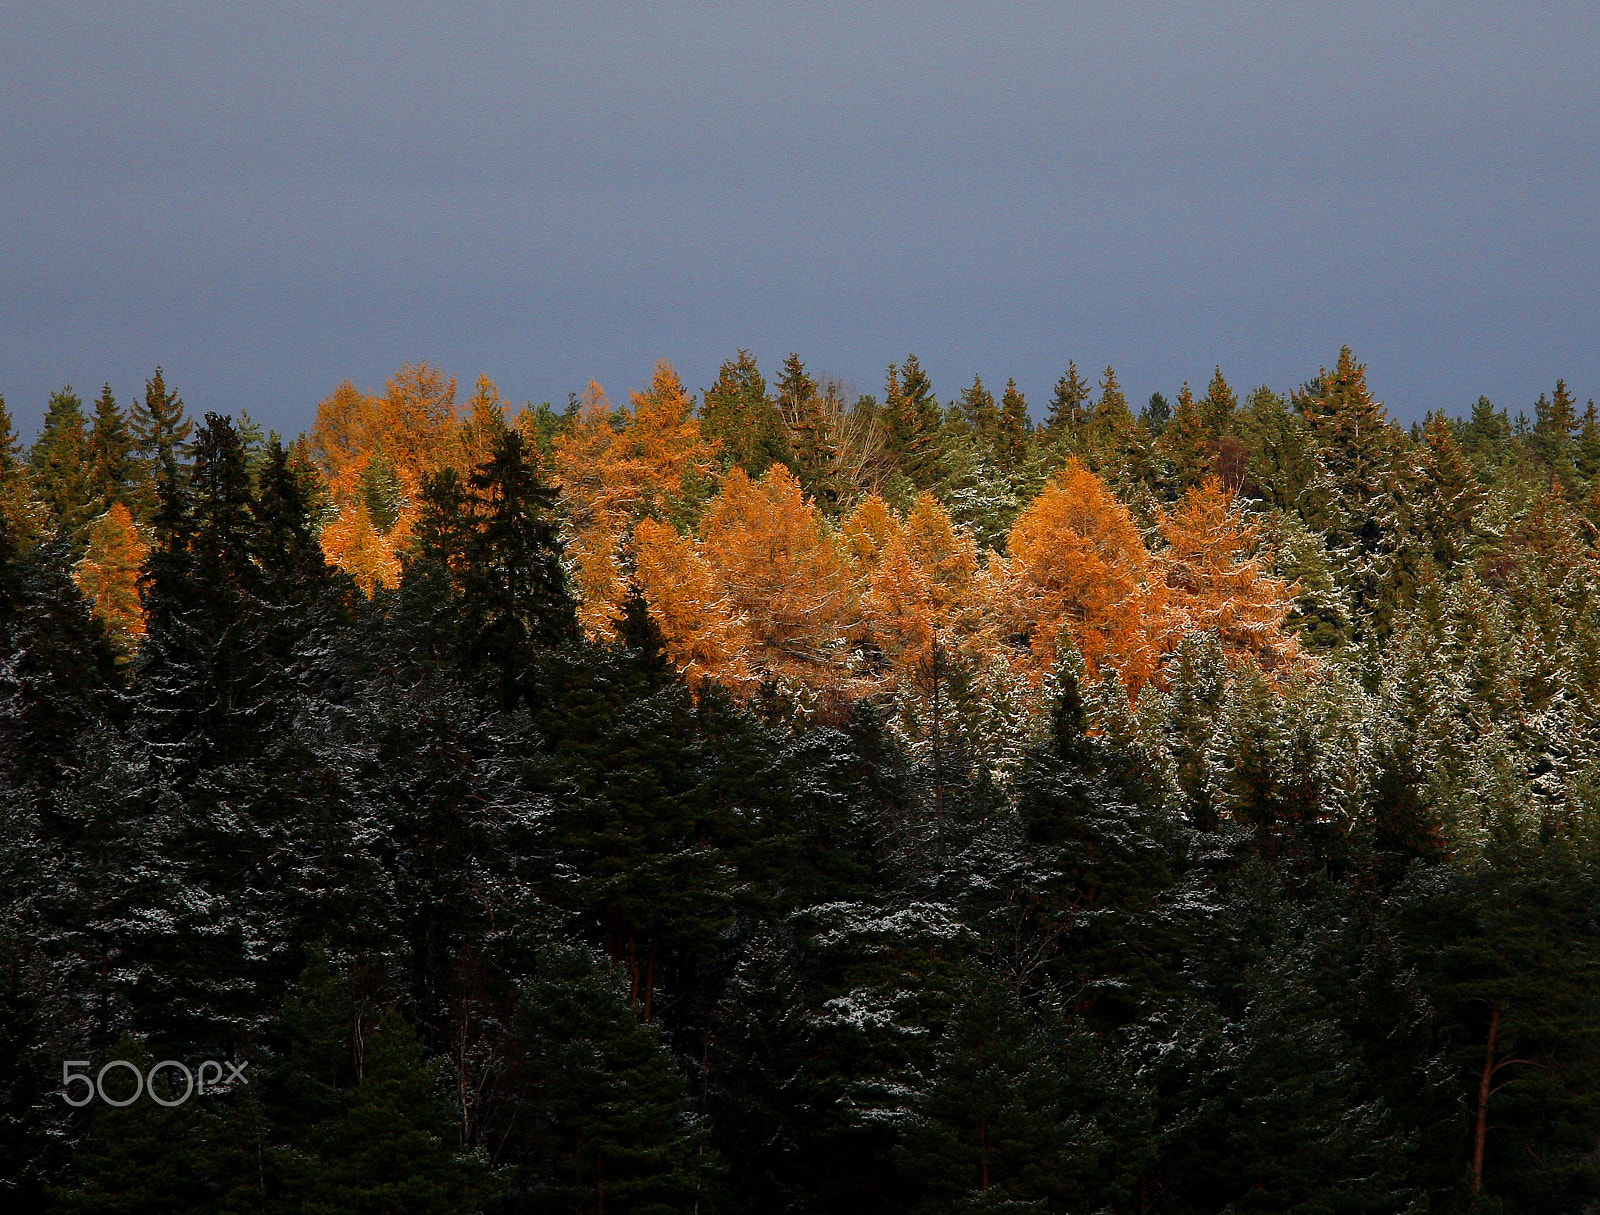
<point x="1078" y="564"/>
<point x="782" y="574"/>
<point x="704" y="638"/>
<point x="614" y="470"/>
<point x="1214" y="578"/>
<point x="867" y="531"/>
<point x="108" y="575"/>
<point x="925" y="586"/>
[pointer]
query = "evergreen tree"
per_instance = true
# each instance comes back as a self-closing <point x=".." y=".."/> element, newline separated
<point x="609" y="1125"/>
<point x="1555" y="426"/>
<point x="812" y="434"/>
<point x="114" y="473"/>
<point x="514" y="596"/>
<point x="62" y="472"/>
<point x="1155" y="415"/>
<point x="161" y="429"/>
<point x="738" y="414"/>
<point x="1069" y="407"/>
<point x="915" y="425"/>
<point x="1014" y="431"/>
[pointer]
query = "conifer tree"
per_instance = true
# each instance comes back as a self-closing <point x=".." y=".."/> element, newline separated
<point x="108" y="575"/>
<point x="1219" y="405"/>
<point x="1587" y="455"/>
<point x="1453" y="495"/>
<point x="1014" y="430"/>
<point x="514" y="597"/>
<point x="1555" y="425"/>
<point x="1155" y="415"/>
<point x="18" y="507"/>
<point x="160" y="428"/>
<point x="1069" y="407"/>
<point x="1187" y="443"/>
<point x="975" y="412"/>
<point x="915" y="425"/>
<point x="609" y="1121"/>
<point x="812" y="434"/>
<point x="115" y="473"/>
<point x="737" y="413"/>
<point x="62" y="472"/>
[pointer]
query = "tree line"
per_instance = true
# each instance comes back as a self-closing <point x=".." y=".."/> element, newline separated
<point x="779" y="802"/>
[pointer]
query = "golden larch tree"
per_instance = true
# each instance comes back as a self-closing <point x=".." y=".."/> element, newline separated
<point x="1078" y="564"/>
<point x="108" y="575"/>
<point x="1214" y="574"/>
<point x="614" y="470"/>
<point x="783" y="575"/>
<point x="704" y="638"/>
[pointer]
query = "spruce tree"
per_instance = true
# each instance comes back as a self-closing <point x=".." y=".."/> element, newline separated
<point x="813" y="437"/>
<point x="1015" y="428"/>
<point x="114" y="473"/>
<point x="737" y="413"/>
<point x="608" y="1119"/>
<point x="915" y="425"/>
<point x="161" y="429"/>
<point x="62" y="471"/>
<point x="514" y="595"/>
<point x="1155" y="415"/>
<point x="1069" y="407"/>
<point x="1555" y="426"/>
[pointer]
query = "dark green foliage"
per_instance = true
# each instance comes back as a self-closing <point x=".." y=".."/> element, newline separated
<point x="161" y="428"/>
<point x="499" y="919"/>
<point x="605" y="1112"/>
<point x="738" y="414"/>
<point x="63" y="472"/>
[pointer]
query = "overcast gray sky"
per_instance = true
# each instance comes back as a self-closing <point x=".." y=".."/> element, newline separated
<point x="268" y="197"/>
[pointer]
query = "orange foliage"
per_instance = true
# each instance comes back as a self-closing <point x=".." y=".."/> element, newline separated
<point x="1078" y="564"/>
<point x="353" y="544"/>
<point x="867" y="531"/>
<point x="616" y="469"/>
<point x="108" y="575"/>
<point x="1214" y="578"/>
<point x="409" y="432"/>
<point x="704" y="638"/>
<point x="782" y="574"/>
<point x="925" y="586"/>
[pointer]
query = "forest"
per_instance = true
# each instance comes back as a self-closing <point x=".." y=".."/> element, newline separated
<point x="779" y="799"/>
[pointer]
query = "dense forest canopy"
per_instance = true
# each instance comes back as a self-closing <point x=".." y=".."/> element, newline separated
<point x="771" y="801"/>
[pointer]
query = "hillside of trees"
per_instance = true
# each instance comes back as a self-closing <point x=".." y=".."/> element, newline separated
<point x="774" y="799"/>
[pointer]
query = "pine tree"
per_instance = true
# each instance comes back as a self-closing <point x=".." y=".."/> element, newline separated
<point x="1219" y="405"/>
<point x="514" y="597"/>
<point x="202" y="676"/>
<point x="1555" y="425"/>
<point x="1187" y="443"/>
<point x="1014" y="431"/>
<point x="58" y="671"/>
<point x="390" y="1148"/>
<point x="915" y="425"/>
<point x="609" y="1123"/>
<point x="974" y="411"/>
<point x="1453" y="495"/>
<point x="1155" y="415"/>
<point x="1069" y="407"/>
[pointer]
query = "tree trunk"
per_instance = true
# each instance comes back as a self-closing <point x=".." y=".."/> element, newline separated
<point x="1481" y="1129"/>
